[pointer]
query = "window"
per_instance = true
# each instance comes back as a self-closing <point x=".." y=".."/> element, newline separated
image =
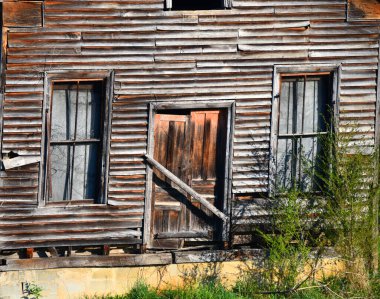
<point x="304" y="109"/>
<point x="74" y="164"/>
<point x="197" y="4"/>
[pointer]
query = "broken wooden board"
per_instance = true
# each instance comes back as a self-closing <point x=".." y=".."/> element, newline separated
<point x="22" y="14"/>
<point x="20" y="161"/>
<point x="364" y="9"/>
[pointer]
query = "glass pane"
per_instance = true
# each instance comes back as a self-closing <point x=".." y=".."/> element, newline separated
<point x="294" y="117"/>
<point x="63" y="111"/>
<point x="286" y="107"/>
<point x="323" y="103"/>
<point x="85" y="176"/>
<point x="308" y="154"/>
<point x="303" y="109"/>
<point x="298" y="115"/>
<point x="60" y="159"/>
<point x="286" y="163"/>
<point x="316" y="101"/>
<point x="89" y="120"/>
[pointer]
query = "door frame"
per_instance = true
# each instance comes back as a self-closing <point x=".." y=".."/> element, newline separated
<point x="229" y="105"/>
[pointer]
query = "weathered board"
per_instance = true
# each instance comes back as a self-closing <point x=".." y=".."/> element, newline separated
<point x="364" y="9"/>
<point x="173" y="56"/>
<point x="22" y="13"/>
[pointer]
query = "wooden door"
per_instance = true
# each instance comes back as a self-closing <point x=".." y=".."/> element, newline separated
<point x="208" y="153"/>
<point x="190" y="144"/>
<point x="171" y="146"/>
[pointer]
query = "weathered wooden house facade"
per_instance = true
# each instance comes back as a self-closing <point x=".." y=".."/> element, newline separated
<point x="159" y="124"/>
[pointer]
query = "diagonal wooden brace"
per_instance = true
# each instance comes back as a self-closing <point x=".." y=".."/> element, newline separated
<point x="186" y="187"/>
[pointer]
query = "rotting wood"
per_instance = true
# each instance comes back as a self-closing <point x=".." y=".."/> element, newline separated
<point x="186" y="188"/>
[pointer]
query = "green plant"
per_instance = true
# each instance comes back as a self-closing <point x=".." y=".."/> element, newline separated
<point x="289" y="244"/>
<point x="202" y="275"/>
<point x="348" y="182"/>
<point x="337" y="208"/>
<point x="202" y="291"/>
<point x="32" y="291"/>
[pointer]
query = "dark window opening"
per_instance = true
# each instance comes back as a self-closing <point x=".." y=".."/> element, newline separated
<point x="304" y="116"/>
<point x="196" y="4"/>
<point x="75" y="141"/>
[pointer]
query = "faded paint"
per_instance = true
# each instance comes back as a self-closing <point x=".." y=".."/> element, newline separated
<point x="77" y="282"/>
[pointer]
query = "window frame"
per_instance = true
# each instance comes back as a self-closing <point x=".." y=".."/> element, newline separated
<point x="74" y="76"/>
<point x="297" y="70"/>
<point x="225" y="4"/>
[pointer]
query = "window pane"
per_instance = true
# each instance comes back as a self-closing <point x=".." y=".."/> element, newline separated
<point x="294" y="117"/>
<point x="286" y="108"/>
<point x="286" y="163"/>
<point x="75" y="165"/>
<point x="304" y="103"/>
<point x="60" y="159"/>
<point x="308" y="154"/>
<point x="316" y="102"/>
<point x="89" y="120"/>
<point x="85" y="177"/>
<point x="63" y="111"/>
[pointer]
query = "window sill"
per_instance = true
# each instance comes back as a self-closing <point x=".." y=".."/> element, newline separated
<point x="220" y="11"/>
<point x="73" y="204"/>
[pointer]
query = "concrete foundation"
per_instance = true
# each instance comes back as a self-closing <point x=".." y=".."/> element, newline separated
<point x="78" y="282"/>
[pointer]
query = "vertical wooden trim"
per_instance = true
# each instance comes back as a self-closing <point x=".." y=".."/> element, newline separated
<point x="106" y="146"/>
<point x="3" y="64"/>
<point x="337" y="74"/>
<point x="274" y="129"/>
<point x="377" y="117"/>
<point x="44" y="134"/>
<point x="149" y="180"/>
<point x="375" y="203"/>
<point x="43" y="14"/>
<point x="227" y="196"/>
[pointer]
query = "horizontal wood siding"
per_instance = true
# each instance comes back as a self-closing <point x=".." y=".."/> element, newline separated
<point x="162" y="55"/>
